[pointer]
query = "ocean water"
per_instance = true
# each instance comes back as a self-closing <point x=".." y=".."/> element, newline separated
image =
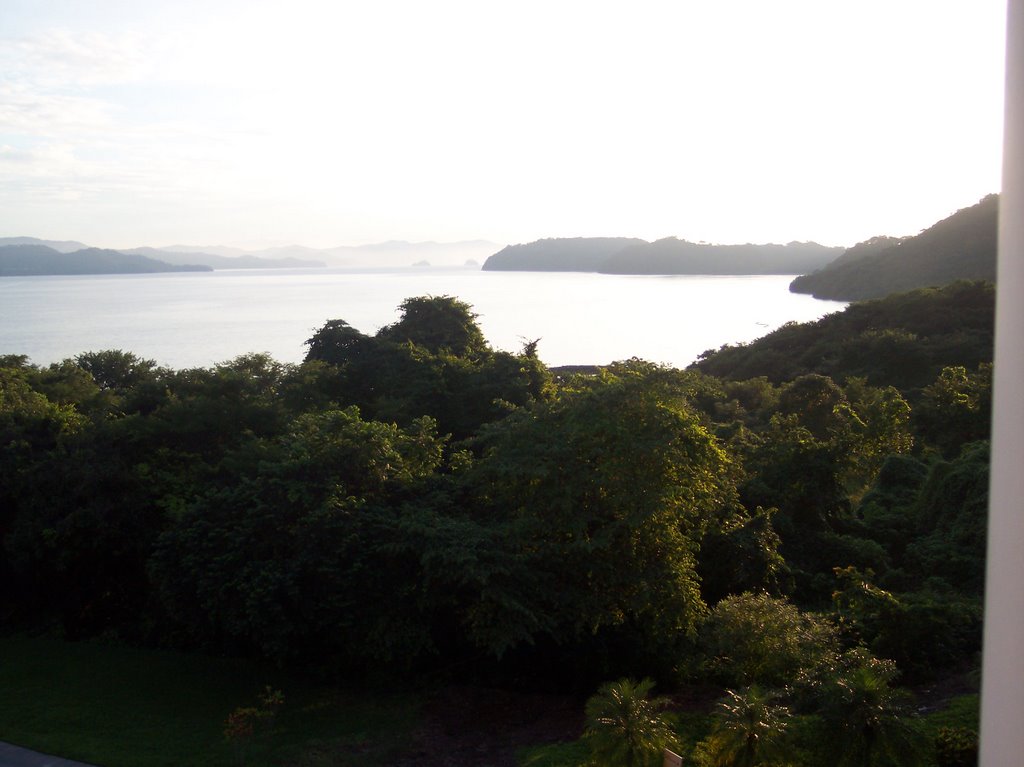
<point x="202" y="318"/>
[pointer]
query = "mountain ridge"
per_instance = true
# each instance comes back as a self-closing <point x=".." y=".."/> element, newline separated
<point x="961" y="246"/>
<point x="670" y="255"/>
<point x="25" y="260"/>
<point x="388" y="254"/>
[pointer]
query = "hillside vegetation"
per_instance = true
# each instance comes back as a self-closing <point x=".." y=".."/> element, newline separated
<point x="903" y="340"/>
<point x="961" y="247"/>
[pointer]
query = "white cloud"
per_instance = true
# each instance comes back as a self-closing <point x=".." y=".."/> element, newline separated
<point x="60" y="58"/>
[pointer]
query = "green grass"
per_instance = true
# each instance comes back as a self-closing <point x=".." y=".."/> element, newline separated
<point x="571" y="754"/>
<point x="962" y="711"/>
<point x="122" y="707"/>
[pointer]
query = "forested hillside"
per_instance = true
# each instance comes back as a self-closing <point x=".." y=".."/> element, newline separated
<point x="414" y="500"/>
<point x="961" y="247"/>
<point x="903" y="340"/>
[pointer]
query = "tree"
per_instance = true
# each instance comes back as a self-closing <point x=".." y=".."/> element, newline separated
<point x="813" y="399"/>
<point x="749" y="729"/>
<point x="742" y="554"/>
<point x="956" y="408"/>
<point x="437" y="323"/>
<point x="294" y="554"/>
<point x="869" y="720"/>
<point x="116" y="369"/>
<point x="338" y="343"/>
<point x="952" y="520"/>
<point x="624" y="727"/>
<point x="600" y="498"/>
<point x="434" y="361"/>
<point x="757" y="639"/>
<point x="874" y="425"/>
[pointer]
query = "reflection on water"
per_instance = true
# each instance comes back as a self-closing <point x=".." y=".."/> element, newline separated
<point x="198" y="319"/>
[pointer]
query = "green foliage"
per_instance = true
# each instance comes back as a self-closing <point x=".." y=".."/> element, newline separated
<point x="116" y="369"/>
<point x="875" y="426"/>
<point x="870" y="721"/>
<point x="757" y="639"/>
<point x="789" y="469"/>
<point x="886" y="510"/>
<point x="68" y="384"/>
<point x="434" y="361"/>
<point x="569" y="754"/>
<point x="813" y="399"/>
<point x="952" y="515"/>
<point x="624" y="727"/>
<point x="338" y="343"/>
<point x="437" y="323"/>
<point x="415" y="493"/>
<point x="29" y="420"/>
<point x="903" y="340"/>
<point x="956" y="747"/>
<point x="742" y="554"/>
<point x="245" y="723"/>
<point x="956" y="408"/>
<point x="962" y="246"/>
<point x="749" y="729"/>
<point x="602" y="492"/>
<point x="923" y="632"/>
<point x="296" y="559"/>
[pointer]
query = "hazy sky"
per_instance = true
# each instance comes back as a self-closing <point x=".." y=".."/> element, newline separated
<point x="329" y="123"/>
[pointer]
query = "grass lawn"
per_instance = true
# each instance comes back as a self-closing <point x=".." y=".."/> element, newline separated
<point x="122" y="707"/>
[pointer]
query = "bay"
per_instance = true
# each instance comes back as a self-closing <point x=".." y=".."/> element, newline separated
<point x="204" y="318"/>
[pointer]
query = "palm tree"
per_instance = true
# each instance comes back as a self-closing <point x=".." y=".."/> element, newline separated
<point x="624" y="726"/>
<point x="749" y="729"/>
<point x="870" y="720"/>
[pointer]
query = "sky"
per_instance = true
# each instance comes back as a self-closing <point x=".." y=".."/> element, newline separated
<point x="129" y="123"/>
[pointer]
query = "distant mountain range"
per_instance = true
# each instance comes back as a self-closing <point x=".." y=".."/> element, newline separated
<point x="34" y="256"/>
<point x="215" y="261"/>
<point x="391" y="254"/>
<point x="961" y="247"/>
<point x="621" y="255"/>
<point x="25" y="260"/>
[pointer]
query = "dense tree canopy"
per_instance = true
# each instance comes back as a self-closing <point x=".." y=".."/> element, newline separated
<point x="414" y="497"/>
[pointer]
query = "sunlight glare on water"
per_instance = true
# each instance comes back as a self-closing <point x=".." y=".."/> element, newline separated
<point x="200" y="319"/>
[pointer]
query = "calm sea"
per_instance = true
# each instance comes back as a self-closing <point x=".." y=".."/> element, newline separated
<point x="200" y="319"/>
